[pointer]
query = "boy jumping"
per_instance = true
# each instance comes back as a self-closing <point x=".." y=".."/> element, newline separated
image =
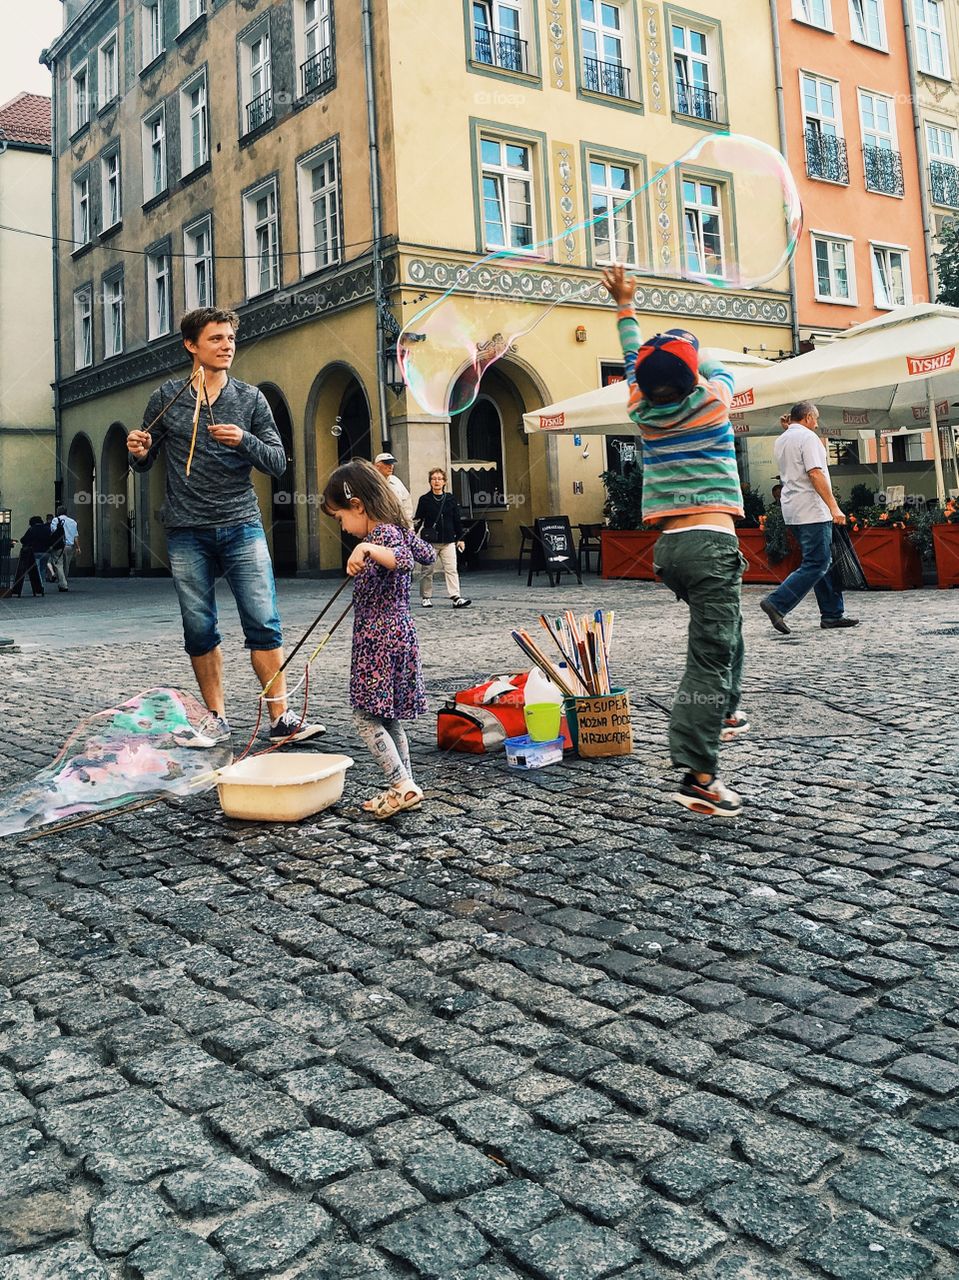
<point x="691" y="493"/>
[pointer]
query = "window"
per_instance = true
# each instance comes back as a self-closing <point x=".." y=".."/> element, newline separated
<point x="833" y="267"/>
<point x="881" y="159"/>
<point x="703" y="227"/>
<point x="907" y="448"/>
<point x="81" y="209"/>
<point x="604" y="65"/>
<point x="109" y="85"/>
<point x="316" y="24"/>
<point x="262" y="239"/>
<point x="110" y="175"/>
<point x="943" y="172"/>
<point x="191" y="11"/>
<point x="194" y="124"/>
<point x="507" y="194"/>
<point x="693" y="74"/>
<point x="866" y="22"/>
<point x="931" y="37"/>
<point x="257" y="76"/>
<point x="83" y="327"/>
<point x="319" y="212"/>
<point x="477" y="437"/>
<point x="80" y="104"/>
<point x="822" y="128"/>
<point x="154" y="155"/>
<point x="816" y="12"/>
<point x="151" y="31"/>
<point x="113" y="315"/>
<point x="497" y="35"/>
<point x="158" y="293"/>
<point x="613" y="212"/>
<point x="198" y="263"/>
<point x="890" y="276"/>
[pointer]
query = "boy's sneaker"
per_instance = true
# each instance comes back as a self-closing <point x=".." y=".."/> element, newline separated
<point x="210" y="732"/>
<point x="713" y="798"/>
<point x="460" y="603"/>
<point x="427" y="604"/>
<point x="733" y="727"/>
<point x="288" y="728"/>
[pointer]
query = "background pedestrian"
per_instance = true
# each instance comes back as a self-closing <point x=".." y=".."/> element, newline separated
<point x="439" y="523"/>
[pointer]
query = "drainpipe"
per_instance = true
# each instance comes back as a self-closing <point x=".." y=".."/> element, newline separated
<point x="781" y="114"/>
<point x="60" y="495"/>
<point x="927" y="222"/>
<point x="376" y="211"/>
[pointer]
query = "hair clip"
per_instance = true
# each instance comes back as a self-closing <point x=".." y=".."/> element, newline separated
<point x="347" y="492"/>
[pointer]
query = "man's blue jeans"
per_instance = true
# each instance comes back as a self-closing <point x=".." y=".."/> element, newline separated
<point x="815" y="543"/>
<point x="239" y="553"/>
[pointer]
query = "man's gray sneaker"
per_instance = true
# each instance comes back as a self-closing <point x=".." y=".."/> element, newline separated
<point x="211" y="731"/>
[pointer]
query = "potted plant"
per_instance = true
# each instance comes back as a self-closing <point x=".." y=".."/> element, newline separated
<point x="627" y="546"/>
<point x="945" y="539"/>
<point x="763" y="540"/>
<point x="886" y="544"/>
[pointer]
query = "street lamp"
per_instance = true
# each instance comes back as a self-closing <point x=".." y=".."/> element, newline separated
<point x="392" y="370"/>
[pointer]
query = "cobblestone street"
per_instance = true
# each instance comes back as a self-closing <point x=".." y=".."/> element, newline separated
<point x="551" y="1026"/>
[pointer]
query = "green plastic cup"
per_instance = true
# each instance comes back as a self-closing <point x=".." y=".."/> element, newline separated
<point x="543" y="720"/>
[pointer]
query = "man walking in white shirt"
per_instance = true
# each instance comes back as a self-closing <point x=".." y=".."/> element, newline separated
<point x="63" y="558"/>
<point x="384" y="463"/>
<point x="810" y="511"/>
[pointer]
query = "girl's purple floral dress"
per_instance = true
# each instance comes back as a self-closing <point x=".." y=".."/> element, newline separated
<point x="386" y="678"/>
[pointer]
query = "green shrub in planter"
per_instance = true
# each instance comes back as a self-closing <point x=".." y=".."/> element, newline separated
<point x="623" y="507"/>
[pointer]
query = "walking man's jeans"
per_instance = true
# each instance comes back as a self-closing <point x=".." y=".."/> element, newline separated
<point x="815" y="543"/>
<point x="704" y="568"/>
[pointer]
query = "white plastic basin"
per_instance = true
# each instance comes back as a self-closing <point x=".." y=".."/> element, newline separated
<point x="282" y="788"/>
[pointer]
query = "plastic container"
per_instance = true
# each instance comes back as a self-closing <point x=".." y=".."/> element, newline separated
<point x="526" y="753"/>
<point x="282" y="788"/>
<point x="542" y="707"/>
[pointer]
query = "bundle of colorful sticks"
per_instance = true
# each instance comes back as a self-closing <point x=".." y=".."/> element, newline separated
<point x="583" y="670"/>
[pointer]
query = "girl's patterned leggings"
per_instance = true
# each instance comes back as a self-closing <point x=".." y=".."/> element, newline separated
<point x="387" y="742"/>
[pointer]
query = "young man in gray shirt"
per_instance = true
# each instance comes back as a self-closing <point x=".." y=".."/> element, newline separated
<point x="212" y="518"/>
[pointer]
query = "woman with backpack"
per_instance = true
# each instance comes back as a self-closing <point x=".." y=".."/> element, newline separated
<point x="438" y="522"/>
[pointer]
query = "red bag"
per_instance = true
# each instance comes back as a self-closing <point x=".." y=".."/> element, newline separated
<point x="480" y="719"/>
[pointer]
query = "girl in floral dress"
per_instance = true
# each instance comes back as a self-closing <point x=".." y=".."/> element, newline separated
<point x="386" y="682"/>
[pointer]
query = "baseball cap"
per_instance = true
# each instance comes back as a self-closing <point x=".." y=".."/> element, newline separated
<point x="385" y="457"/>
<point x="670" y="359"/>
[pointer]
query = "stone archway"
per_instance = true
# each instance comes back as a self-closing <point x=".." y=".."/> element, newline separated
<point x="114" y="505"/>
<point x="280" y="516"/>
<point x="81" y="499"/>
<point x="338" y="427"/>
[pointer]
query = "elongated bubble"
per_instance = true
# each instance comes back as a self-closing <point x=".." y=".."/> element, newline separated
<point x="725" y="184"/>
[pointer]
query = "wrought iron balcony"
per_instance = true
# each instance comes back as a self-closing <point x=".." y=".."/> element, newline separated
<point x="496" y="50"/>
<point x="611" y="78"/>
<point x="826" y="157"/>
<point x="259" y="111"/>
<point x="317" y="72"/>
<point x="883" y="170"/>
<point x="691" y="100"/>
<point x="944" y="180"/>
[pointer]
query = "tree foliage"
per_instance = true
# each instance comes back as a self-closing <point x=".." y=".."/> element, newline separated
<point x="947" y="263"/>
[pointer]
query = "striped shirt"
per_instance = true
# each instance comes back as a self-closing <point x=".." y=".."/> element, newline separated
<point x="689" y="450"/>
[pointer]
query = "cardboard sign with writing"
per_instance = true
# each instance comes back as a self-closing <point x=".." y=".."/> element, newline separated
<point x="603" y="726"/>
<point x="554" y="551"/>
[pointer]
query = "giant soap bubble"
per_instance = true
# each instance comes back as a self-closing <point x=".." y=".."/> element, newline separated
<point x="445" y="349"/>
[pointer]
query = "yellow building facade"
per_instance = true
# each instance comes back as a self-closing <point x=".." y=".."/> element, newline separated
<point x="204" y="158"/>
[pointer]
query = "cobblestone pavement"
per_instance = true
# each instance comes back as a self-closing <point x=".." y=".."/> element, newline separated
<point x="551" y="1026"/>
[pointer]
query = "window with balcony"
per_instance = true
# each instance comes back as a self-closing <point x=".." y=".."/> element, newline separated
<point x="890" y="276"/>
<point x="110" y="179"/>
<point x="507" y="194"/>
<point x="198" y="263"/>
<point x="80" y="100"/>
<point x="108" y="86"/>
<point x="695" y="72"/>
<point x="257" y="77"/>
<point x="498" y="34"/>
<point x="603" y="36"/>
<point x="867" y="22"/>
<point x="931" y="54"/>
<point x="816" y="12"/>
<point x="81" y="209"/>
<point x="151" y="31"/>
<point x="158" y="293"/>
<point x="881" y="159"/>
<point x="832" y="265"/>
<point x="703" y="237"/>
<point x="826" y="157"/>
<point x="154" y="155"/>
<point x="191" y="11"/>
<point x="319" y="193"/>
<point x="314" y="38"/>
<point x="83" y="327"/>
<point x="194" y="124"/>
<point x="261" y="236"/>
<point x="613" y="231"/>
<point x="113" y="317"/>
<point x="943" y="171"/>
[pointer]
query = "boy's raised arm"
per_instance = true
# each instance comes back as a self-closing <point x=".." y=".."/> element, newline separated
<point x="621" y="288"/>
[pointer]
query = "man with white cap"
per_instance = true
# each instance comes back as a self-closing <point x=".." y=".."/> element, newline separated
<point x="384" y="463"/>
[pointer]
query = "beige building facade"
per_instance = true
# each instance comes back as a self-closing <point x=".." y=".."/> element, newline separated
<point x="222" y="152"/>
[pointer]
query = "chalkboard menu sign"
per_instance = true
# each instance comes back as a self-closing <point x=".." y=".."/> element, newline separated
<point x="553" y="550"/>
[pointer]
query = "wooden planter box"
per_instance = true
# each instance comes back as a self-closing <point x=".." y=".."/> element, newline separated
<point x="628" y="553"/>
<point x="889" y="560"/>
<point x="752" y="543"/>
<point x="945" y="541"/>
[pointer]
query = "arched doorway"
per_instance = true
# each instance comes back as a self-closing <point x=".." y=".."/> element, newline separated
<point x="115" y="504"/>
<point x="81" y="499"/>
<point x="338" y="428"/>
<point x="282" y="515"/>
<point x="355" y="439"/>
